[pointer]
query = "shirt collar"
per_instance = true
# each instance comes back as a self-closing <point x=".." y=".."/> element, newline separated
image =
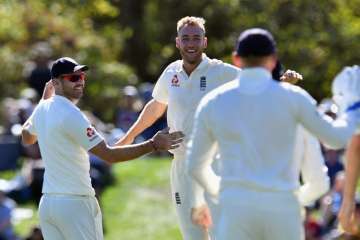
<point x="204" y="62"/>
<point x="62" y="98"/>
<point x="253" y="80"/>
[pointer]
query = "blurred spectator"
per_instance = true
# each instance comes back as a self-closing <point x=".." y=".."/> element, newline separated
<point x="333" y="163"/>
<point x="10" y="115"/>
<point x="312" y="226"/>
<point x="129" y="108"/>
<point x="331" y="203"/>
<point x="27" y="103"/>
<point x="6" y="209"/>
<point x="332" y="157"/>
<point x="145" y="90"/>
<point x="38" y="71"/>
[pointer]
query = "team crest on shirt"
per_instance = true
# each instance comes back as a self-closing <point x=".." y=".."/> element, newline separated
<point x="90" y="132"/>
<point x="202" y="83"/>
<point x="175" y="81"/>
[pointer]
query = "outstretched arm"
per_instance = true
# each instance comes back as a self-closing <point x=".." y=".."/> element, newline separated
<point x="352" y="171"/>
<point x="152" y="111"/>
<point x="161" y="141"/>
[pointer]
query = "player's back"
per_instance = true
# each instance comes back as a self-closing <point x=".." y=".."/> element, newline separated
<point x="257" y="132"/>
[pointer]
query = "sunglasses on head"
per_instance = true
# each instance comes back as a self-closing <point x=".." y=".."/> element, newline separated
<point x="73" y="77"/>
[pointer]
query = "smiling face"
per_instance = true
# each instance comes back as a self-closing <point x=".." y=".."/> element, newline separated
<point x="191" y="42"/>
<point x="70" y="86"/>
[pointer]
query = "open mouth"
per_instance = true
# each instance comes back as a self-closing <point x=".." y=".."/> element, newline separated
<point x="191" y="51"/>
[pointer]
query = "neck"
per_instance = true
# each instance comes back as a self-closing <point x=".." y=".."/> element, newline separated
<point x="189" y="67"/>
<point x="73" y="100"/>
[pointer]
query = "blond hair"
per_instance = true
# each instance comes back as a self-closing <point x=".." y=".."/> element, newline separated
<point x="191" y="20"/>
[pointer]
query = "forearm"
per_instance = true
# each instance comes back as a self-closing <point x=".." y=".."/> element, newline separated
<point x="352" y="168"/>
<point x="152" y="111"/>
<point x="130" y="152"/>
<point x="26" y="137"/>
<point x="116" y="154"/>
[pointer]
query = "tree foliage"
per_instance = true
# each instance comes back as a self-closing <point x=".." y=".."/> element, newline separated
<point x="132" y="41"/>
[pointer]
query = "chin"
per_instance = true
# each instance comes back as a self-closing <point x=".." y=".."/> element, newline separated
<point x="193" y="60"/>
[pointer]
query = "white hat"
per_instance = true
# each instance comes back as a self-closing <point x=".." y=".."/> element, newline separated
<point x="346" y="87"/>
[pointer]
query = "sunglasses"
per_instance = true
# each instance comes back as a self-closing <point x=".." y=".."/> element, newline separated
<point x="73" y="77"/>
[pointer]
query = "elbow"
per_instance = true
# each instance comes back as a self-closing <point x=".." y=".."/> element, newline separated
<point x="27" y="139"/>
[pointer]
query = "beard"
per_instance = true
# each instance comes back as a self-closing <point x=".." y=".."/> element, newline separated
<point x="192" y="59"/>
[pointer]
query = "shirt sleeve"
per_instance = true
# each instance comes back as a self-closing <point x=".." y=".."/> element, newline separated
<point x="31" y="122"/>
<point x="313" y="170"/>
<point x="200" y="155"/>
<point x="335" y="134"/>
<point x="230" y="72"/>
<point x="77" y="126"/>
<point x="160" y="92"/>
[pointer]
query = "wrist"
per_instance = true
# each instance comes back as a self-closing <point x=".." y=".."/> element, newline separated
<point x="153" y="145"/>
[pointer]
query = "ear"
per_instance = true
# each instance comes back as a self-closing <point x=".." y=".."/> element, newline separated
<point x="205" y="42"/>
<point x="236" y="60"/>
<point x="177" y="42"/>
<point x="55" y="81"/>
<point x="272" y="62"/>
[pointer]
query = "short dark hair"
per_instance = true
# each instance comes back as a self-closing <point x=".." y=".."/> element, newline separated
<point x="255" y="42"/>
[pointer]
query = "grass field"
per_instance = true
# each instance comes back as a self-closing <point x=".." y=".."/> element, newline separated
<point x="137" y="206"/>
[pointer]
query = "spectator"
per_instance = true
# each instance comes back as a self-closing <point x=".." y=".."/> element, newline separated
<point x="129" y="108"/>
<point x="38" y="71"/>
<point x="6" y="208"/>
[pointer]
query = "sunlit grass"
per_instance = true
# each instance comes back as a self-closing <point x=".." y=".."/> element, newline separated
<point x="137" y="206"/>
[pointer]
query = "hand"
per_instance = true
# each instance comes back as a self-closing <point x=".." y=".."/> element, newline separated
<point x="201" y="216"/>
<point x="49" y="90"/>
<point x="163" y="140"/>
<point x="347" y="219"/>
<point x="291" y="76"/>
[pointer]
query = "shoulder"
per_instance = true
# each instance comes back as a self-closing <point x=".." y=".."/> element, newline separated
<point x="218" y="93"/>
<point x="296" y="91"/>
<point x="216" y="63"/>
<point x="174" y="66"/>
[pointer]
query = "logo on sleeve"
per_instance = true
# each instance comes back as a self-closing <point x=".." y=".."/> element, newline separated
<point x="90" y="132"/>
<point x="175" y="81"/>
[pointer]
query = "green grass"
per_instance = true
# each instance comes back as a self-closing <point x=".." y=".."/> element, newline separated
<point x="137" y="206"/>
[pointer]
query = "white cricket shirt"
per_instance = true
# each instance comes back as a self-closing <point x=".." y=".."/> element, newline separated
<point x="309" y="161"/>
<point x="254" y="120"/>
<point x="182" y="93"/>
<point x="65" y="135"/>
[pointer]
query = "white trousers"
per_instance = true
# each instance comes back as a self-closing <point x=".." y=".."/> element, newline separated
<point x="180" y="187"/>
<point x="256" y="215"/>
<point x="70" y="217"/>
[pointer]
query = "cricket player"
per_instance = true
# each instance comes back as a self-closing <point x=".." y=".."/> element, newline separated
<point x="308" y="157"/>
<point x="68" y="208"/>
<point x="253" y="121"/>
<point x="179" y="90"/>
<point x="346" y="91"/>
